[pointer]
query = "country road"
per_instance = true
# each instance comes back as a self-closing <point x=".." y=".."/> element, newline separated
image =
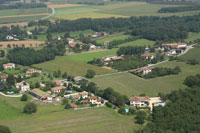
<point x="10" y="95"/>
<point x="188" y="48"/>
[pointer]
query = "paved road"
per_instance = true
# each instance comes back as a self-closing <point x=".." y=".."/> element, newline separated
<point x="188" y="48"/>
<point x="10" y="95"/>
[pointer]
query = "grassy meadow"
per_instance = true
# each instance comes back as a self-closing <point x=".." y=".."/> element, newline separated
<point x="192" y="37"/>
<point x="72" y="67"/>
<point x="192" y="54"/>
<point x="139" y="42"/>
<point x="119" y="37"/>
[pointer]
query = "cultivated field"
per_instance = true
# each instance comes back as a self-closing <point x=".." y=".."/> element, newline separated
<point x="28" y="43"/>
<point x="139" y="42"/>
<point x="70" y="66"/>
<point x="130" y="84"/>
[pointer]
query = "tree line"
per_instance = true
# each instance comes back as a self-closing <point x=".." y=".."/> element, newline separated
<point x="179" y="9"/>
<point x="28" y="56"/>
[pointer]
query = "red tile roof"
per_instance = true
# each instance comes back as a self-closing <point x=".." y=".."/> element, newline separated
<point x="58" y="88"/>
<point x="147" y="55"/>
<point x="74" y="106"/>
<point x="136" y="98"/>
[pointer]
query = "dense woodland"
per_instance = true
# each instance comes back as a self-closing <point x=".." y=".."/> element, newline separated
<point x="22" y="6"/>
<point x="27" y="56"/>
<point x="179" y="9"/>
<point x="153" y="28"/>
<point x="181" y="115"/>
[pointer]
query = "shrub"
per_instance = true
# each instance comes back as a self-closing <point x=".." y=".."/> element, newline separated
<point x="24" y="97"/>
<point x="30" y="108"/>
<point x="67" y="106"/>
<point x="132" y="111"/>
<point x="4" y="129"/>
<point x="108" y="104"/>
<point x="90" y="74"/>
<point x="192" y="62"/>
<point x="122" y="111"/>
<point x="140" y="117"/>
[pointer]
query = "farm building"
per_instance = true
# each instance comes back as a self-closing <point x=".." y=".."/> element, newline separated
<point x="139" y="101"/>
<point x="174" y="45"/>
<point x="41" y="95"/>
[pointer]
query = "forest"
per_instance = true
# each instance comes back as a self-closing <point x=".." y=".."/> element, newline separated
<point x="179" y="9"/>
<point x="180" y="115"/>
<point x="28" y="56"/>
<point x="168" y="29"/>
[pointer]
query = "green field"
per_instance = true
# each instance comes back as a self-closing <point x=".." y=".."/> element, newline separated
<point x="20" y="19"/>
<point x="192" y="37"/>
<point x="85" y="57"/>
<point x="139" y="42"/>
<point x="192" y="54"/>
<point x="15" y="12"/>
<point x="130" y="84"/>
<point x="120" y="37"/>
<point x="70" y="66"/>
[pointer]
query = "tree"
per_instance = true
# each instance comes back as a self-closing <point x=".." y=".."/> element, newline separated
<point x="2" y="53"/>
<point x="120" y="101"/>
<point x="49" y="37"/>
<point x="65" y="101"/>
<point x="11" y="79"/>
<point x="90" y="73"/>
<point x="67" y="106"/>
<point x="59" y="73"/>
<point x="108" y="104"/>
<point x="64" y="75"/>
<point x="192" y="62"/>
<point x="24" y="97"/>
<point x="122" y="111"/>
<point x="4" y="129"/>
<point x="37" y="85"/>
<point x="19" y="79"/>
<point x="67" y="35"/>
<point x="30" y="108"/>
<point x="140" y="117"/>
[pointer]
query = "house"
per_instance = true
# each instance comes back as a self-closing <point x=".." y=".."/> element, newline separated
<point x="8" y="37"/>
<point x="58" y="38"/>
<point x="147" y="56"/>
<point x="156" y="101"/>
<point x="70" y="40"/>
<point x="171" y="52"/>
<point x="145" y="70"/>
<point x="79" y="78"/>
<point x="9" y="66"/>
<point x="32" y="71"/>
<point x="41" y="95"/>
<point x="83" y="94"/>
<point x="58" y="89"/>
<point x="111" y="58"/>
<point x="174" y="45"/>
<point x="73" y="106"/>
<point x="75" y="97"/>
<point x="29" y="33"/>
<point x="106" y="42"/>
<point x="94" y="100"/>
<point x="58" y="82"/>
<point x="139" y="101"/>
<point x="52" y="21"/>
<point x="85" y="101"/>
<point x="92" y="46"/>
<point x="23" y="86"/>
<point x="72" y="45"/>
<point x="4" y="77"/>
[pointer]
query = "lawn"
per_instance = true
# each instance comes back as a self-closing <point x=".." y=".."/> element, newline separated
<point x="130" y="85"/>
<point x="120" y="37"/>
<point x="85" y="57"/>
<point x="70" y="66"/>
<point x="139" y="42"/>
<point x="99" y="120"/>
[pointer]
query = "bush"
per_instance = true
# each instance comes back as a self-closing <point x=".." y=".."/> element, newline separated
<point x="67" y="106"/>
<point x="4" y="129"/>
<point x="24" y="97"/>
<point x="132" y="111"/>
<point x="30" y="108"/>
<point x="122" y="111"/>
<point x="90" y="74"/>
<point x="108" y="104"/>
<point x="140" y="117"/>
<point x="193" y="62"/>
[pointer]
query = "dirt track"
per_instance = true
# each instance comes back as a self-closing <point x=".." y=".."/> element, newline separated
<point x="61" y="5"/>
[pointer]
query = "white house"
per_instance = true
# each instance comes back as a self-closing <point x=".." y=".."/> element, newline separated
<point x="8" y="37"/>
<point x="58" y="89"/>
<point x="9" y="66"/>
<point x="145" y="70"/>
<point x="139" y="101"/>
<point x="94" y="100"/>
<point x="147" y="56"/>
<point x="23" y="86"/>
<point x="84" y="94"/>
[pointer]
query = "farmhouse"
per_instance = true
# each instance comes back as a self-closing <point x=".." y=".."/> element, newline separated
<point x="79" y="78"/>
<point x="58" y="82"/>
<point x="171" y="52"/>
<point x="85" y="101"/>
<point x="106" y="42"/>
<point x="32" y="71"/>
<point x="58" y="89"/>
<point x="72" y="45"/>
<point x="9" y="66"/>
<point x="23" y="86"/>
<point x="52" y="21"/>
<point x="75" y="97"/>
<point x="145" y="70"/>
<point x="94" y="100"/>
<point x="74" y="106"/>
<point x="41" y="95"/>
<point x="174" y="45"/>
<point x="111" y="58"/>
<point x="83" y="94"/>
<point x="70" y="40"/>
<point x="139" y="101"/>
<point x="8" y="37"/>
<point x="92" y="46"/>
<point x="147" y="56"/>
<point x="4" y="77"/>
<point x="156" y="101"/>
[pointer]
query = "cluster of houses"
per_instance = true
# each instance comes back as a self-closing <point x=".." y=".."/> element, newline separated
<point x="97" y="34"/>
<point x="145" y="101"/>
<point x="72" y="44"/>
<point x="174" y="48"/>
